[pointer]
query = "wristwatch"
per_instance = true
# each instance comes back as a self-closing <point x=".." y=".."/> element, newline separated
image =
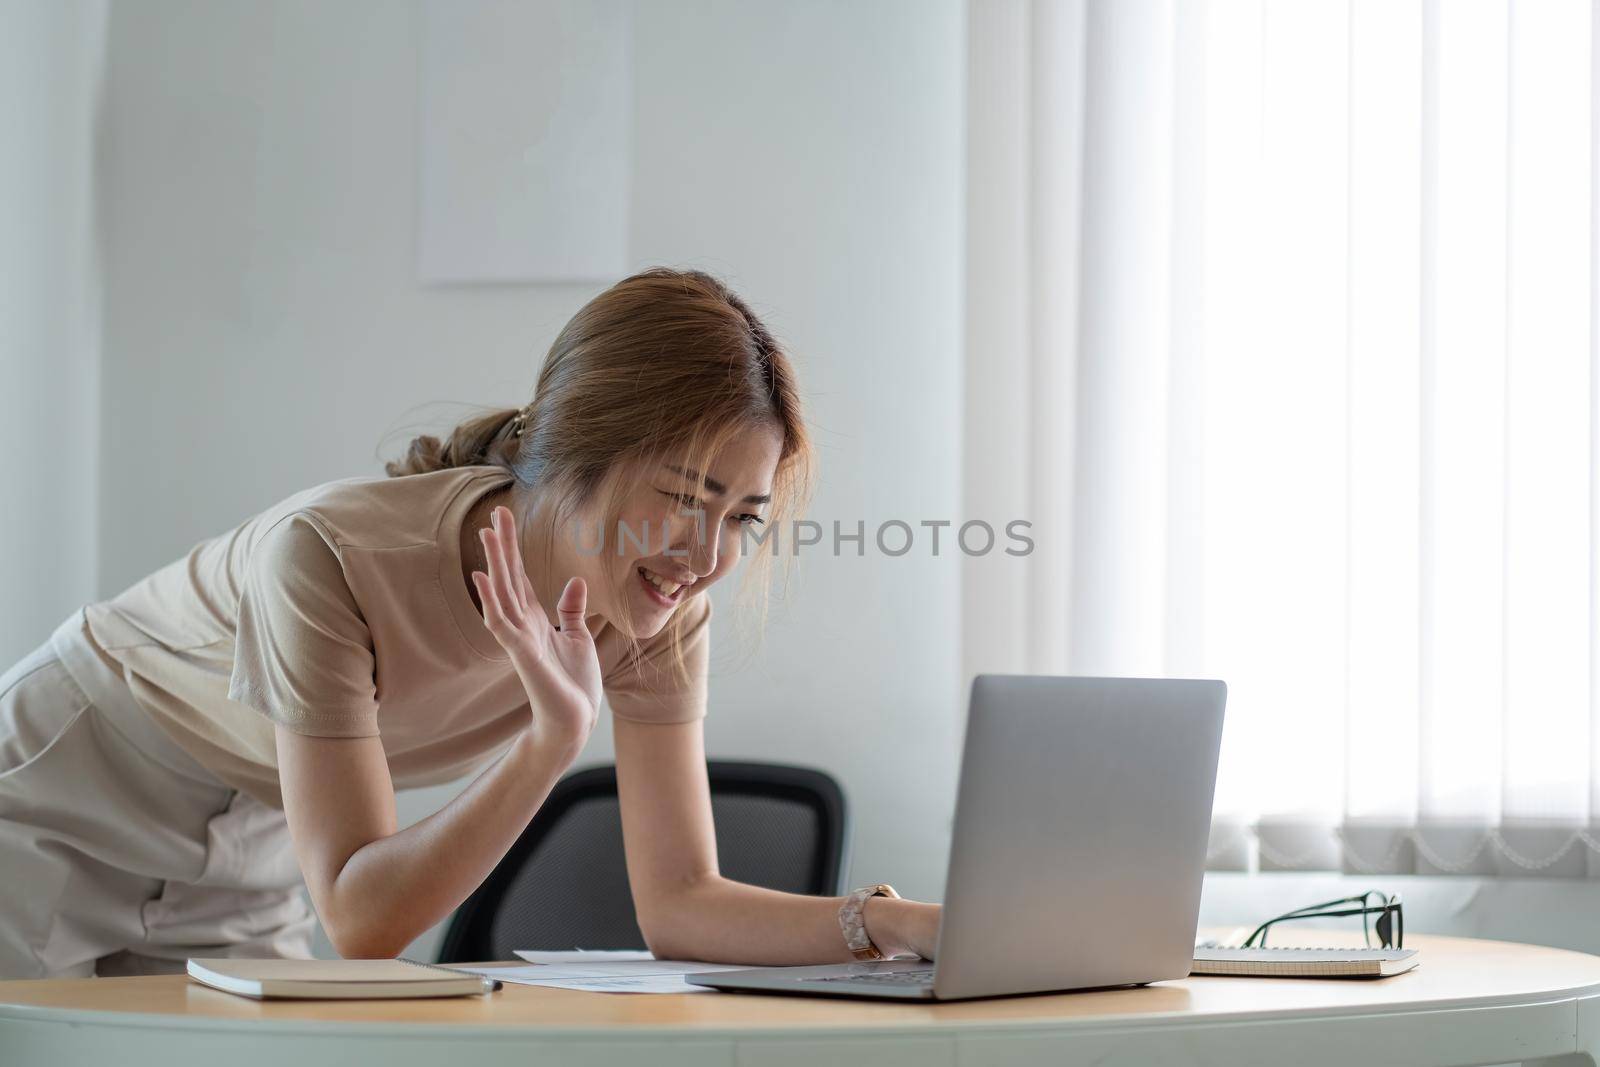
<point x="853" y="923"/>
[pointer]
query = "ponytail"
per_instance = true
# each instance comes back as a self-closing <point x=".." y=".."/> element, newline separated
<point x="477" y="441"/>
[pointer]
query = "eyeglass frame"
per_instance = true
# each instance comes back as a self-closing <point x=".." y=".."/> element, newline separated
<point x="1390" y="906"/>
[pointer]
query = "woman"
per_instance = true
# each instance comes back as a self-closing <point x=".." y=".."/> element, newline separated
<point x="175" y="760"/>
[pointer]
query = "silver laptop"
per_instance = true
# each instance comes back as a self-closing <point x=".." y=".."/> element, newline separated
<point x="1082" y="817"/>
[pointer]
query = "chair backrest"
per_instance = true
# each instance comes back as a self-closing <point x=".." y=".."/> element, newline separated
<point x="564" y="884"/>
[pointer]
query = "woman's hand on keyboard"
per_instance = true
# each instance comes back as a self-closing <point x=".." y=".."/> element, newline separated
<point x="902" y="927"/>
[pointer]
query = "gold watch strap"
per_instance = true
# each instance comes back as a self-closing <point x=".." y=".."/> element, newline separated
<point x="853" y="923"/>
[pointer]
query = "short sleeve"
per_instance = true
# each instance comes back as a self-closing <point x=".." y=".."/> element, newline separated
<point x="649" y="687"/>
<point x="303" y="655"/>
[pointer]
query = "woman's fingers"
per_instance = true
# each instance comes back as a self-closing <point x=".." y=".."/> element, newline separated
<point x="500" y="575"/>
<point x="493" y="617"/>
<point x="570" y="608"/>
<point x="503" y="530"/>
<point x="519" y="570"/>
<point x="508" y="580"/>
<point x="529" y="597"/>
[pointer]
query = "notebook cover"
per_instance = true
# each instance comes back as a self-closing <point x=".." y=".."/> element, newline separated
<point x="332" y="978"/>
<point x="1305" y="962"/>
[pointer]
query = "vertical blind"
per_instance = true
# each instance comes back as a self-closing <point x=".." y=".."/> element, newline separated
<point x="1326" y="355"/>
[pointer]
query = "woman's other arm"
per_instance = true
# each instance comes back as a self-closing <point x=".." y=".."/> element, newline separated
<point x="687" y="910"/>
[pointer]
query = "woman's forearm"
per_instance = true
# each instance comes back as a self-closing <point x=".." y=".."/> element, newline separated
<point x="395" y="888"/>
<point x="723" y="921"/>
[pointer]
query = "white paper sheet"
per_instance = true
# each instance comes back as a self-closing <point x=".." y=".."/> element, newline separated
<point x="605" y="972"/>
<point x="1229" y="939"/>
<point x="587" y="955"/>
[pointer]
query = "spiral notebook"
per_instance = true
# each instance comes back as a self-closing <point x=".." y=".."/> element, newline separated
<point x="336" y="979"/>
<point x="1295" y="962"/>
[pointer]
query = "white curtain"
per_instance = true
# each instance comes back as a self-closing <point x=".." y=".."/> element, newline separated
<point x="1281" y="328"/>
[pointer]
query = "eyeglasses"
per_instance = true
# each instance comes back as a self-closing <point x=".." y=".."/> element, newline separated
<point x="1390" y="927"/>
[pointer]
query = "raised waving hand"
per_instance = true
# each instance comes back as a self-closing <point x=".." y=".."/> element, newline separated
<point x="559" y="667"/>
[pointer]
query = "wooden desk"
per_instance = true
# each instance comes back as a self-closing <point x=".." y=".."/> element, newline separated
<point x="1470" y="1002"/>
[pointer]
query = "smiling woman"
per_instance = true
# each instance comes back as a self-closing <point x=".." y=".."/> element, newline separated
<point x="247" y="712"/>
<point x="665" y="375"/>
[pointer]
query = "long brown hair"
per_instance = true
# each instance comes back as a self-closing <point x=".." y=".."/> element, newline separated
<point x="665" y="362"/>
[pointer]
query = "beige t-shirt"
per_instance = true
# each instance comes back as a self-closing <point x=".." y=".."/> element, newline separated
<point x="342" y="612"/>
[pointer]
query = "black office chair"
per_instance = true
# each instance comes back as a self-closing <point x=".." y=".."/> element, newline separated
<point x="564" y="884"/>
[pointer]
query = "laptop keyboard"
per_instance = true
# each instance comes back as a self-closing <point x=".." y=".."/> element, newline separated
<point x="918" y="977"/>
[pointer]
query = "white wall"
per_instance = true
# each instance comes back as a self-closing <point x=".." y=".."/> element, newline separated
<point x="50" y="53"/>
<point x="263" y="330"/>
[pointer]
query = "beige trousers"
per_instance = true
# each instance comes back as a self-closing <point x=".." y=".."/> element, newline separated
<point x="119" y="853"/>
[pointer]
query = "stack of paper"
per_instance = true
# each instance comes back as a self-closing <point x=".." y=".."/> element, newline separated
<point x="604" y="971"/>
